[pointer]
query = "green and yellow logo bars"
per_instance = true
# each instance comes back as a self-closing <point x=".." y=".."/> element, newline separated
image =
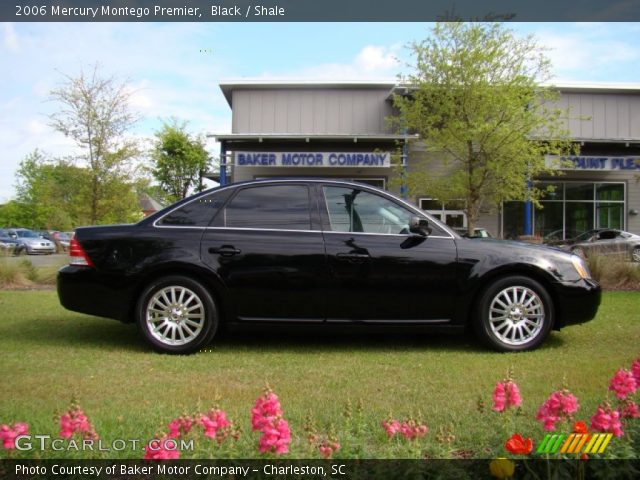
<point x="575" y="443"/>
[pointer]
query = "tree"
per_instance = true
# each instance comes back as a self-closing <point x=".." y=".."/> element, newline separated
<point x="475" y="96"/>
<point x="50" y="192"/>
<point x="55" y="194"/>
<point x="95" y="114"/>
<point x="179" y="161"/>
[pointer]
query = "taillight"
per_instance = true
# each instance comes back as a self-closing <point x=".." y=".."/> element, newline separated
<point x="77" y="255"/>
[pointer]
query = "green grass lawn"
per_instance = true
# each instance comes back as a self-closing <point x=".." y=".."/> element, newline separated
<point x="343" y="382"/>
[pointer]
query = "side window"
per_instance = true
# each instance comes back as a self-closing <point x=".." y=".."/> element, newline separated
<point x="355" y="210"/>
<point x="607" y="235"/>
<point x="282" y="207"/>
<point x="197" y="213"/>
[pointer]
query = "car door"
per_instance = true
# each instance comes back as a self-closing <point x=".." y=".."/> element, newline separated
<point x="605" y="242"/>
<point x="266" y="246"/>
<point x="379" y="271"/>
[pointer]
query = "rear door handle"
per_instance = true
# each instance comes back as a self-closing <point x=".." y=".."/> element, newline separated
<point x="225" y="250"/>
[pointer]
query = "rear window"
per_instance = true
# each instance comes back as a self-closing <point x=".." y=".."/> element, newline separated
<point x="197" y="213"/>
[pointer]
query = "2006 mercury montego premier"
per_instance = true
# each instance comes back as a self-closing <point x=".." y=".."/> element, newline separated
<point x="317" y="251"/>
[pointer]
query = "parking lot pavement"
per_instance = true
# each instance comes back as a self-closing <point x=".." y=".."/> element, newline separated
<point x="55" y="260"/>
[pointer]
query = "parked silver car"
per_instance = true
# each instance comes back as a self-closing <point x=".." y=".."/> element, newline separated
<point x="605" y="241"/>
<point x="30" y="242"/>
<point x="7" y="244"/>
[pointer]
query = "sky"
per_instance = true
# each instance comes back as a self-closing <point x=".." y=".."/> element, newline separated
<point x="173" y="69"/>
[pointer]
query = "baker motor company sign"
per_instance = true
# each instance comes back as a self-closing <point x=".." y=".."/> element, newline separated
<point x="313" y="159"/>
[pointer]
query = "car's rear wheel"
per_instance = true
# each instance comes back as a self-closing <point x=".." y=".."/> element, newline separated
<point x="635" y="254"/>
<point x="176" y="314"/>
<point x="515" y="313"/>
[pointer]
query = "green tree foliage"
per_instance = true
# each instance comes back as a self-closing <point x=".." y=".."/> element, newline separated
<point x="179" y="161"/>
<point x="475" y="99"/>
<point x="13" y="214"/>
<point x="51" y="193"/>
<point x="95" y="114"/>
<point x="55" y="194"/>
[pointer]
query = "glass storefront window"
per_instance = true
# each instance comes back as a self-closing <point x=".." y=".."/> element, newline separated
<point x="578" y="216"/>
<point x="610" y="215"/>
<point x="549" y="220"/>
<point x="430" y="204"/>
<point x="513" y="219"/>
<point x="556" y="190"/>
<point x="578" y="191"/>
<point x="571" y="209"/>
<point x="610" y="191"/>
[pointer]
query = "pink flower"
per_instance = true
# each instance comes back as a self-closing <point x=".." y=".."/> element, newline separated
<point x="623" y="383"/>
<point x="513" y="394"/>
<point x="409" y="429"/>
<point x="164" y="448"/>
<point x="216" y="425"/>
<point x="391" y="427"/>
<point x="75" y="421"/>
<point x="635" y="370"/>
<point x="630" y="410"/>
<point x="180" y="426"/>
<point x="506" y="394"/>
<point x="559" y="406"/>
<point x="607" y="420"/>
<point x="276" y="437"/>
<point x="9" y="434"/>
<point x="266" y="416"/>
<point x="328" y="447"/>
<point x="499" y="397"/>
<point x="266" y="407"/>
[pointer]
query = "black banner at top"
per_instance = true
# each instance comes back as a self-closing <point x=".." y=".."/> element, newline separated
<point x="318" y="10"/>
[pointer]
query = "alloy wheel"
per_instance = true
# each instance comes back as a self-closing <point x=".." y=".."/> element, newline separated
<point x="516" y="315"/>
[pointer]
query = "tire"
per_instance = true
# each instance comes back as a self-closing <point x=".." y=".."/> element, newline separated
<point x="635" y="254"/>
<point x="176" y="314"/>
<point x="515" y="313"/>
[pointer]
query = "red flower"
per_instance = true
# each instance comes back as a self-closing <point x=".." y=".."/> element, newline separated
<point x="518" y="445"/>
<point x="580" y="427"/>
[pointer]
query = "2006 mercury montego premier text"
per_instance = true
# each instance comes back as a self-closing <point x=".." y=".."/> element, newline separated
<point x="318" y="252"/>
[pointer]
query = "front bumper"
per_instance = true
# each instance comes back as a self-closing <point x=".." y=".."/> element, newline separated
<point x="37" y="248"/>
<point x="577" y="302"/>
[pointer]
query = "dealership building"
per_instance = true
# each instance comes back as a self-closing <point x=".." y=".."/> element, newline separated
<point x="341" y="130"/>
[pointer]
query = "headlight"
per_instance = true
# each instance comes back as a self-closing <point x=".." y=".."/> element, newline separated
<point x="581" y="266"/>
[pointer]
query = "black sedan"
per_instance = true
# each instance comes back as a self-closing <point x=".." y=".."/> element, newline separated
<point x="317" y="252"/>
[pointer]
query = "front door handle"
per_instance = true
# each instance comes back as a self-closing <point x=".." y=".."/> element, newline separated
<point x="353" y="257"/>
<point x="225" y="250"/>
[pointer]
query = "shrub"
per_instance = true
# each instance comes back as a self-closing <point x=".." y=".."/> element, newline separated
<point x="614" y="273"/>
<point x="15" y="275"/>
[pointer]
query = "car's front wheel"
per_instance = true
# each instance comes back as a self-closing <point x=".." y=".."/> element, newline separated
<point x="515" y="313"/>
<point x="635" y="254"/>
<point x="177" y="314"/>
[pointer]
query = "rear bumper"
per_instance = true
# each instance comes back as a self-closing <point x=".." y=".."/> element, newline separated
<point x="80" y="289"/>
<point x="577" y="302"/>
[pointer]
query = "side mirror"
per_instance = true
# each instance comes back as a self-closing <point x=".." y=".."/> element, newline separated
<point x="419" y="226"/>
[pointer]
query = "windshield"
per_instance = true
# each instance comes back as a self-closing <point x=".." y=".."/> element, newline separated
<point x="27" y="234"/>
<point x="586" y="235"/>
